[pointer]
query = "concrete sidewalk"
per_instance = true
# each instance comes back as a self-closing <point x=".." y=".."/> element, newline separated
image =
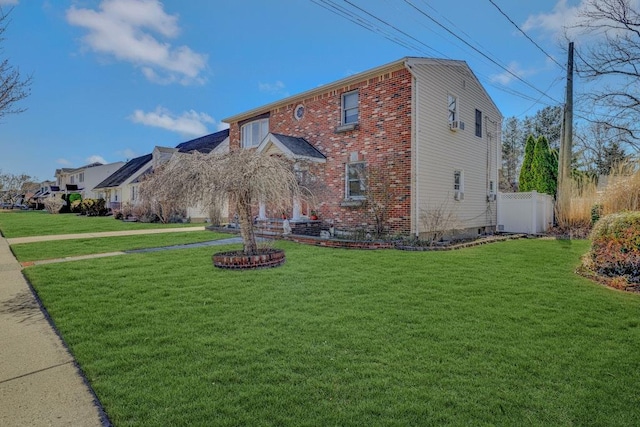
<point x="40" y="384"/>
<point x="32" y="239"/>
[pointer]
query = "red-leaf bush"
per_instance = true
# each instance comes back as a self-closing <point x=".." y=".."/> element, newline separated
<point x="615" y="246"/>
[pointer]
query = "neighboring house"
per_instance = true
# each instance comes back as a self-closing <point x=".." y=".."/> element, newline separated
<point x="44" y="191"/>
<point x="83" y="179"/>
<point x="123" y="185"/>
<point x="426" y="128"/>
<point x="117" y="188"/>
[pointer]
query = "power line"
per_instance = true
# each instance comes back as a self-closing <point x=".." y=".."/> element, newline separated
<point x="409" y="42"/>
<point x="525" y="34"/>
<point x="479" y="51"/>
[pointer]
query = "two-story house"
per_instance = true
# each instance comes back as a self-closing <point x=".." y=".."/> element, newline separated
<point x="83" y="179"/>
<point x="419" y="138"/>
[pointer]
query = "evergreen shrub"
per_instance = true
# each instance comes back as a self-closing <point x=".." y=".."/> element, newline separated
<point x="615" y="247"/>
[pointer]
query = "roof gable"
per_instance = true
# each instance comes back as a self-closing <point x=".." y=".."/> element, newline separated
<point x="125" y="172"/>
<point x="204" y="144"/>
<point x="292" y="147"/>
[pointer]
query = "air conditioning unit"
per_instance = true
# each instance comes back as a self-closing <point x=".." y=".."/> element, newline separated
<point x="458" y="195"/>
<point x="454" y="125"/>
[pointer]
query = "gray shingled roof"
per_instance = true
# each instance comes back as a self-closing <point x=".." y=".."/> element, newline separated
<point x="122" y="174"/>
<point x="204" y="144"/>
<point x="299" y="146"/>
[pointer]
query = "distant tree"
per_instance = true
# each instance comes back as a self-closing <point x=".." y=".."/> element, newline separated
<point x="512" y="148"/>
<point x="526" y="177"/>
<point x="13" y="88"/>
<point x="612" y="156"/>
<point x="546" y="122"/>
<point x="600" y="148"/>
<point x="13" y="187"/>
<point x="544" y="168"/>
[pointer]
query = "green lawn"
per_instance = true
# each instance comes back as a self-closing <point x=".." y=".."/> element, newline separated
<point x="40" y="223"/>
<point x="66" y="248"/>
<point x="501" y="334"/>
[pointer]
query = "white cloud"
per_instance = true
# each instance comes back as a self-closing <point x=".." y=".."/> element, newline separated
<point x="506" y="77"/>
<point x="96" y="159"/>
<point x="564" y="18"/>
<point x="188" y="123"/>
<point x="555" y="22"/>
<point x="276" y="88"/>
<point x="128" y="30"/>
<point x="222" y="126"/>
<point x="127" y="153"/>
<point x="8" y="2"/>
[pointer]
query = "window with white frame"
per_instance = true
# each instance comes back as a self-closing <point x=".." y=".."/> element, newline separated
<point x="458" y="184"/>
<point x="72" y="179"/>
<point x="356" y="182"/>
<point x="350" y="108"/>
<point x="81" y="177"/>
<point x="453" y="108"/>
<point x="254" y="132"/>
<point x="134" y="192"/>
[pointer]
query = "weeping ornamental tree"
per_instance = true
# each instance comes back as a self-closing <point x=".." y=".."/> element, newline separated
<point x="242" y="178"/>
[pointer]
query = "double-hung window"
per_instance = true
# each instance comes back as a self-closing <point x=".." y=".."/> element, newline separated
<point x="479" y="123"/>
<point x="453" y="108"/>
<point x="254" y="132"/>
<point x="350" y="108"/>
<point x="356" y="182"/>
<point x="458" y="185"/>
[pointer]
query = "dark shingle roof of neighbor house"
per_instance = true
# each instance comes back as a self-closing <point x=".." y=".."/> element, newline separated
<point x="204" y="144"/>
<point x="128" y="169"/>
<point x="299" y="146"/>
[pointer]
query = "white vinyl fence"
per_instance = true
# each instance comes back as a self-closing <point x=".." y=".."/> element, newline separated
<point x="530" y="213"/>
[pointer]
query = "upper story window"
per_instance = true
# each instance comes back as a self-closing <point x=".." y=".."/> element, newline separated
<point x="453" y="108"/>
<point x="350" y="108"/>
<point x="479" y="123"/>
<point x="72" y="179"/>
<point x="356" y="184"/>
<point x="81" y="177"/>
<point x="254" y="132"/>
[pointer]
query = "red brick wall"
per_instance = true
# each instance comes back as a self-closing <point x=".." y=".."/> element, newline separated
<point x="382" y="139"/>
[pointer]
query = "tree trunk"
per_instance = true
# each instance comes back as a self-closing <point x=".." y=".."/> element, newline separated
<point x="245" y="220"/>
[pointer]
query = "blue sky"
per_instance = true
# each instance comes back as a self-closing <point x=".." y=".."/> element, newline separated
<point x="114" y="78"/>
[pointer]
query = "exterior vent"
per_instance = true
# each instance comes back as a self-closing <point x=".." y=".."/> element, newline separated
<point x="491" y="197"/>
<point x="458" y="195"/>
<point x="454" y="125"/>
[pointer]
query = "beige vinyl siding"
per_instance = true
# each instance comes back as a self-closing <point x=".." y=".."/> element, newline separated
<point x="439" y="152"/>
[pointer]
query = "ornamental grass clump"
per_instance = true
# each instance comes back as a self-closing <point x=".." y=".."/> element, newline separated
<point x="615" y="247"/>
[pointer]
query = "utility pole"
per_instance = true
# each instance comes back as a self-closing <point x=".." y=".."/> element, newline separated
<point x="564" y="163"/>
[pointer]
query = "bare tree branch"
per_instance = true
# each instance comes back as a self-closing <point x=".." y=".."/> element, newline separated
<point x="13" y="88"/>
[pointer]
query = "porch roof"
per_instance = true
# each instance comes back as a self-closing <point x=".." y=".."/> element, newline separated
<point x="293" y="147"/>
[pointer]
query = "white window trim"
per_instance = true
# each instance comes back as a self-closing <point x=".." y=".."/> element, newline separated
<point x="347" y="194"/>
<point x="343" y="110"/>
<point x="457" y="110"/>
<point x="248" y="125"/>
<point x="458" y="193"/>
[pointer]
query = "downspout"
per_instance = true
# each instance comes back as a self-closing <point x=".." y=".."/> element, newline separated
<point x="415" y="229"/>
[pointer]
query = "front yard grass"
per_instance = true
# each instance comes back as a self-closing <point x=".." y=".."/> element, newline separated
<point x="41" y="223"/>
<point x="67" y="248"/>
<point x="501" y="334"/>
